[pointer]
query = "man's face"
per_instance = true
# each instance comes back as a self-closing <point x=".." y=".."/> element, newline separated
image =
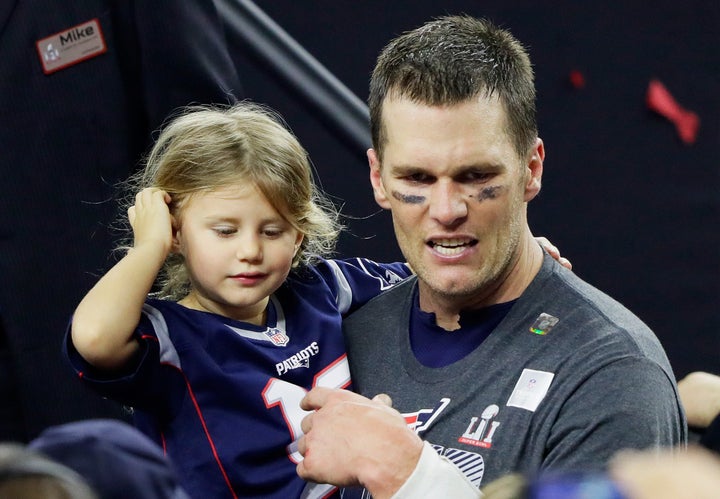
<point x="458" y="194"/>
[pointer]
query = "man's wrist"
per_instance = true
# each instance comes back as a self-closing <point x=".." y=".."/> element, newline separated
<point x="383" y="477"/>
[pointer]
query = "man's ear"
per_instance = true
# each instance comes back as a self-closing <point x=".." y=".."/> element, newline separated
<point x="376" y="180"/>
<point x="534" y="167"/>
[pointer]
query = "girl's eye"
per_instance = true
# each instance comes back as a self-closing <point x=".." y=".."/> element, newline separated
<point x="273" y="233"/>
<point x="225" y="231"/>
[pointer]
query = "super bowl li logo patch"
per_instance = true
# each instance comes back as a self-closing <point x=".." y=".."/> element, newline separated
<point x="480" y="431"/>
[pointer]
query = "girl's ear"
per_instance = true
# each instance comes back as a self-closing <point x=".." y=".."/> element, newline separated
<point x="176" y="246"/>
<point x="298" y="242"/>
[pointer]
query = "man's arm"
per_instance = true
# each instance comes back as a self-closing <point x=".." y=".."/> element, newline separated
<point x="351" y="440"/>
<point x="184" y="57"/>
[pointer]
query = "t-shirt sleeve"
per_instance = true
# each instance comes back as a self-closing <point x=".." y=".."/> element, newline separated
<point x="630" y="403"/>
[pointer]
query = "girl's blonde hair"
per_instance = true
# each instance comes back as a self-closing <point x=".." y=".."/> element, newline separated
<point x="209" y="147"/>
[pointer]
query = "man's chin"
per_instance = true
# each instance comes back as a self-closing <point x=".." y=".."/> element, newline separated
<point x="450" y="285"/>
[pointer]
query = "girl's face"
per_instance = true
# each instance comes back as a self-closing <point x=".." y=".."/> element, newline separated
<point x="238" y="250"/>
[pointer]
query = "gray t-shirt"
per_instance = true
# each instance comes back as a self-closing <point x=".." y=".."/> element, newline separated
<point x="567" y="379"/>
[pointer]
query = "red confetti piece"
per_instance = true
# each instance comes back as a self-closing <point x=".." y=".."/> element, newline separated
<point x="659" y="99"/>
<point x="577" y="79"/>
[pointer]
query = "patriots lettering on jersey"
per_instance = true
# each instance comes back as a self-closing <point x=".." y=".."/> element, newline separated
<point x="420" y="420"/>
<point x="300" y="359"/>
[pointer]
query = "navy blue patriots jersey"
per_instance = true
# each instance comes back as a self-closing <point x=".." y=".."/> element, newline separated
<point x="222" y="396"/>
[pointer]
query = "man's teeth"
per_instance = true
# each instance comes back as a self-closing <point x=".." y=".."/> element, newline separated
<point x="450" y="246"/>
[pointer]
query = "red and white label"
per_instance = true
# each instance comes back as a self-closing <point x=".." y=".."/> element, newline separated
<point x="71" y="46"/>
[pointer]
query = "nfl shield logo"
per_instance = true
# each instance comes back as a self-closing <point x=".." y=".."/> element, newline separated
<point x="277" y="336"/>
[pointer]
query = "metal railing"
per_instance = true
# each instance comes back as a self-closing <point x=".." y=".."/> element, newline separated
<point x="276" y="50"/>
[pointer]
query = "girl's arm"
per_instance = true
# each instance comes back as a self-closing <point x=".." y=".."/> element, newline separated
<point x="104" y="321"/>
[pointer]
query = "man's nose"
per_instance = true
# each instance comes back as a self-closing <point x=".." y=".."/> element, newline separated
<point x="447" y="203"/>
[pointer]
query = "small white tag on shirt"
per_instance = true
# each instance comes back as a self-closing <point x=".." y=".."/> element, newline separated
<point x="71" y="46"/>
<point x="530" y="389"/>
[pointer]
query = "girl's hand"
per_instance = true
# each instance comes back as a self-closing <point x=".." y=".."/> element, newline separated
<point x="554" y="252"/>
<point x="151" y="220"/>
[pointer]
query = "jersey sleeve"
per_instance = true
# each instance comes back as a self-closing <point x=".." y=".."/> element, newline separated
<point x="355" y="281"/>
<point x="143" y="382"/>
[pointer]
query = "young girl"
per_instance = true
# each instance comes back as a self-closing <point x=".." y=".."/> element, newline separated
<point x="248" y="316"/>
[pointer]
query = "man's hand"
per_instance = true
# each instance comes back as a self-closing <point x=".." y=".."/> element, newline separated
<point x="352" y="440"/>
<point x="700" y="396"/>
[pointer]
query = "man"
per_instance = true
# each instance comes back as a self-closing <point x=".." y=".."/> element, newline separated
<point x="500" y="359"/>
